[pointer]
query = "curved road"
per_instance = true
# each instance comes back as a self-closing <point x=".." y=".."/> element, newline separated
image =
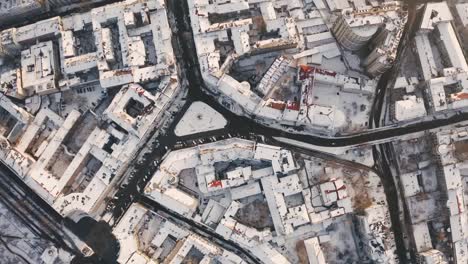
<point x="243" y="124"/>
<point x="381" y="152"/>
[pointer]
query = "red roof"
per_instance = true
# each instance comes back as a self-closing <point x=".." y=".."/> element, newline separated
<point x="462" y="96"/>
<point x="293" y="106"/>
<point x="216" y="184"/>
<point x="306" y="70"/>
<point x="277" y="105"/>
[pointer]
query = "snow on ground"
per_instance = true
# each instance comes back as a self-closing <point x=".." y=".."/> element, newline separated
<point x="336" y="64"/>
<point x="17" y="243"/>
<point x="199" y="118"/>
<point x="341" y="247"/>
<point x="355" y="106"/>
<point x="329" y="150"/>
<point x="356" y="153"/>
<point x="352" y="60"/>
<point x="463" y="13"/>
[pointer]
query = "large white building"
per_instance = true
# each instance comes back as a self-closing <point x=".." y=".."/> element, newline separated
<point x="147" y="237"/>
<point x="40" y="69"/>
<point x="379" y="28"/>
<point x="446" y="80"/>
<point x="271" y="174"/>
<point x="410" y="107"/>
<point x="122" y="52"/>
<point x="303" y="38"/>
<point x="451" y="176"/>
<point x="65" y="149"/>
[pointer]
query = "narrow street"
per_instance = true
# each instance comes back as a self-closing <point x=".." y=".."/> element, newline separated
<point x="381" y="152"/>
<point x="200" y="230"/>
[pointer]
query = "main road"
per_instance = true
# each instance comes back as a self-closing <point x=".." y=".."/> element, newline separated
<point x="382" y="152"/>
<point x="242" y="124"/>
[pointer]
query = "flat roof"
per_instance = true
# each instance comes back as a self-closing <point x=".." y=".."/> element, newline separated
<point x="435" y="13"/>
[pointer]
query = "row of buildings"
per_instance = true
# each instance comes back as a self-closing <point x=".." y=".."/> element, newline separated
<point x="454" y="73"/>
<point x="433" y="188"/>
<point x="379" y="26"/>
<point x="443" y="70"/>
<point x="148" y="237"/>
<point x="14" y="11"/>
<point x="449" y="148"/>
<point x="306" y="35"/>
<point x="95" y="86"/>
<point x="214" y="183"/>
<point x="115" y="45"/>
<point x="443" y="66"/>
